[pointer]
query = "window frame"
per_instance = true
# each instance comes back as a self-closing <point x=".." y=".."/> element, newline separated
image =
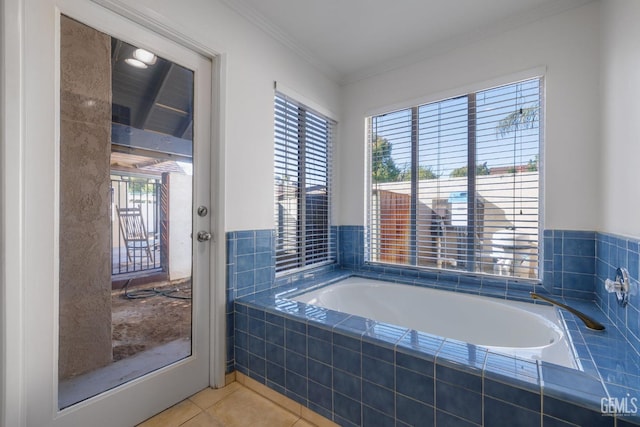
<point x="470" y="93"/>
<point x="307" y="146"/>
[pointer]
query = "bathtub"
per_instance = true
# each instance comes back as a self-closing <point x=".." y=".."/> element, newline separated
<point x="515" y="328"/>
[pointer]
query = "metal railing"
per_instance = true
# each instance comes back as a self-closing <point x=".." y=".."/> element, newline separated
<point x="142" y="253"/>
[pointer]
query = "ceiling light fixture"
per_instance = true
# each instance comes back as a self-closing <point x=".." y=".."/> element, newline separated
<point x="135" y="63"/>
<point x="144" y="56"/>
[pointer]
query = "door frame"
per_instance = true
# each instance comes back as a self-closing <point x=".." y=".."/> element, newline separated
<point x="29" y="299"/>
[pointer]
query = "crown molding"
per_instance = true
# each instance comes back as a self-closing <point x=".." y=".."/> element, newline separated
<point x="256" y="18"/>
<point x="438" y="47"/>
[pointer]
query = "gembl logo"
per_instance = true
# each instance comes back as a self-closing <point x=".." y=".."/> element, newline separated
<point x="619" y="405"/>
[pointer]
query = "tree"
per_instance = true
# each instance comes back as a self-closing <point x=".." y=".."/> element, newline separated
<point x="383" y="168"/>
<point x="523" y="118"/>
<point x="424" y="172"/>
<point x="481" y="169"/>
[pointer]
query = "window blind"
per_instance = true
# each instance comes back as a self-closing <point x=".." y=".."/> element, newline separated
<point x="302" y="186"/>
<point x="455" y="183"/>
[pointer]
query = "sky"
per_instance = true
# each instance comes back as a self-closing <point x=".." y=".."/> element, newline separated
<point x="442" y="128"/>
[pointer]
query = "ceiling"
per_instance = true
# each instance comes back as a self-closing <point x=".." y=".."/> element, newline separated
<point x="354" y="39"/>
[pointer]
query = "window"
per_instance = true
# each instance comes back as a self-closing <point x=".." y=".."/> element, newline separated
<point x="302" y="186"/>
<point x="454" y="184"/>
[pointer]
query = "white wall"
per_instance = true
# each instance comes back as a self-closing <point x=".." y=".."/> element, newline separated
<point x="620" y="98"/>
<point x="253" y="62"/>
<point x="566" y="44"/>
<point x="180" y="201"/>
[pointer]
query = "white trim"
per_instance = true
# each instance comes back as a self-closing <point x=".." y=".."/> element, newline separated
<point x="256" y="18"/>
<point x="307" y="102"/>
<point x="461" y="90"/>
<point x="218" y="296"/>
<point x="12" y="392"/>
<point x="29" y="95"/>
<point x="167" y="28"/>
<point x="159" y="24"/>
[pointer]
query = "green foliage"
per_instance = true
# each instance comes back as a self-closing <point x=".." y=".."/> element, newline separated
<point x="532" y="166"/>
<point x="140" y="186"/>
<point x="481" y="169"/>
<point x="523" y="118"/>
<point x="424" y="172"/>
<point x="383" y="168"/>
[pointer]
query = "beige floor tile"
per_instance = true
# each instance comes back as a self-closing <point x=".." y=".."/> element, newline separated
<point x="288" y="404"/>
<point x="203" y="419"/>
<point x="247" y="408"/>
<point x="174" y="416"/>
<point x="210" y="396"/>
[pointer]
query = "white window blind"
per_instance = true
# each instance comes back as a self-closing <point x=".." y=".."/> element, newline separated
<point x="455" y="183"/>
<point x="302" y="186"/>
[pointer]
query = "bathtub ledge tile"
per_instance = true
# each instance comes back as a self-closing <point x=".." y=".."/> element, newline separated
<point x="419" y="343"/>
<point x="354" y="324"/>
<point x="321" y="316"/>
<point x="569" y="384"/>
<point x="461" y="355"/>
<point x="468" y="288"/>
<point x="384" y="332"/>
<point x="512" y="370"/>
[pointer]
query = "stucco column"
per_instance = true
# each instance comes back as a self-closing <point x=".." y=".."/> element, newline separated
<point x="85" y="199"/>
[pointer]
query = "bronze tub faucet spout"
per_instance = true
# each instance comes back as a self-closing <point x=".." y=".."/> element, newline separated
<point x="588" y="321"/>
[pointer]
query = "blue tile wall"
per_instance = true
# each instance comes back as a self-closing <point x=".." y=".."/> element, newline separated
<point x="619" y="358"/>
<point x="613" y="252"/>
<point x="250" y="264"/>
<point x="359" y="372"/>
<point x="569" y="263"/>
<point x="355" y="376"/>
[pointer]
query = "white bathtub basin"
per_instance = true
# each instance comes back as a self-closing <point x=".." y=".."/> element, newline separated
<point x="517" y="328"/>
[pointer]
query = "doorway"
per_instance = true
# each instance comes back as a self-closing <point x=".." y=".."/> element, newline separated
<point x="133" y="174"/>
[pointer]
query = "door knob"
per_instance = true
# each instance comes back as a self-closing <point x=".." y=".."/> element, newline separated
<point x="204" y="236"/>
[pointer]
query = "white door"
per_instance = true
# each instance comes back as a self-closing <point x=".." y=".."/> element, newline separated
<point x="159" y="168"/>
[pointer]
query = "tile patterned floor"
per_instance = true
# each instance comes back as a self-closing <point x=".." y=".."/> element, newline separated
<point x="235" y="405"/>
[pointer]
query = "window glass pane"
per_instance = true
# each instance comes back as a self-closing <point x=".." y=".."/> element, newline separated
<point x="455" y="183"/>
<point x="302" y="186"/>
<point x="508" y="144"/>
<point x="391" y="192"/>
<point x="442" y="185"/>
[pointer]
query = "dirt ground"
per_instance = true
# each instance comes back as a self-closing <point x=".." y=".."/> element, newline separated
<point x="151" y="315"/>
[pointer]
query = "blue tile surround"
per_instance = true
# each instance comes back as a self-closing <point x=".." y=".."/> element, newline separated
<point x="360" y="372"/>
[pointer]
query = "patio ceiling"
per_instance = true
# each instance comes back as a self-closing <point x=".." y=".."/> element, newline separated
<point x="143" y="165"/>
<point x="152" y="111"/>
